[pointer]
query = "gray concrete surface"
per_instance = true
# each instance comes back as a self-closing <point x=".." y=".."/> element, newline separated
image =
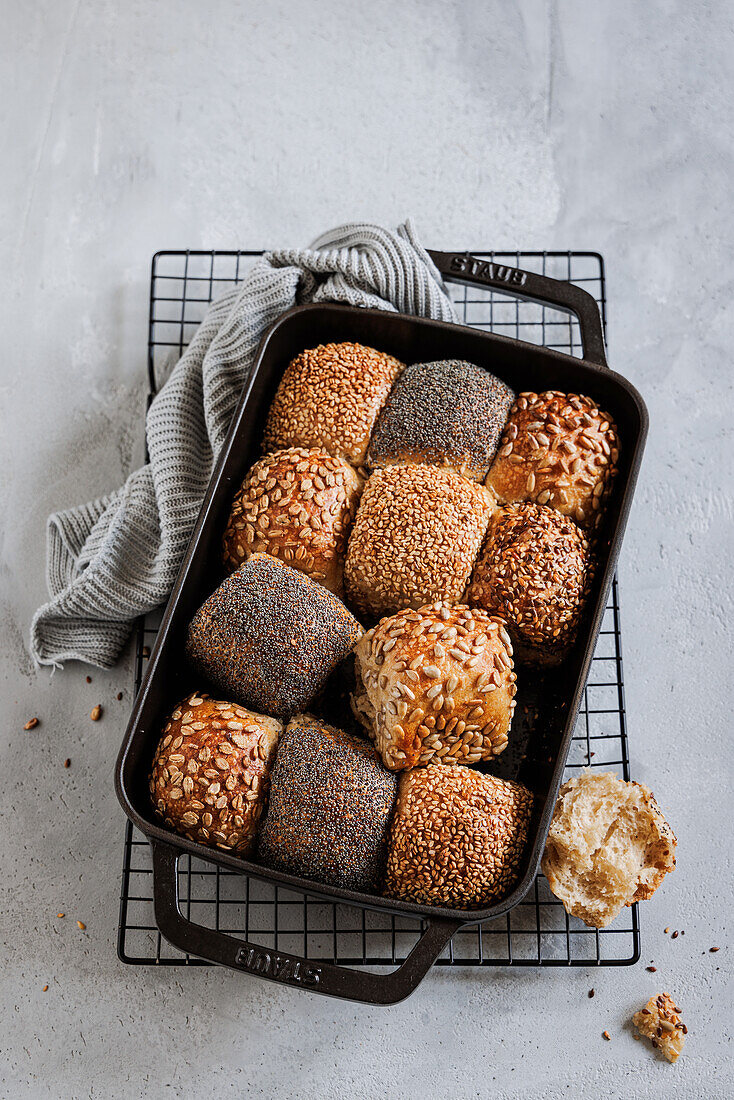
<point x="131" y="127"/>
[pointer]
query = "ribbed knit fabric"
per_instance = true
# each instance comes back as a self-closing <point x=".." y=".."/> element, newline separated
<point x="116" y="558"/>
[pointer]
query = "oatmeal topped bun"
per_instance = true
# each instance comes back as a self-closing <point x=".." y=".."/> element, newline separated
<point x="415" y="537"/>
<point x="296" y="505"/>
<point x="435" y="685"/>
<point x="330" y="397"/>
<point x="450" y="413"/>
<point x="457" y="837"/>
<point x="558" y="449"/>
<point x="210" y="772"/>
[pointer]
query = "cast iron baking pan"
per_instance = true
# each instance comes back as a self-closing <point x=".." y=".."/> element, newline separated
<point x="548" y="703"/>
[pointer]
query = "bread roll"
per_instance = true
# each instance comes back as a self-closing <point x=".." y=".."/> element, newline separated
<point x="534" y="571"/>
<point x="209" y="779"/>
<point x="296" y="505"/>
<point x="457" y="837"/>
<point x="435" y="685"/>
<point x="660" y="1022"/>
<point x="269" y="637"/>
<point x="329" y="397"/>
<point x="450" y="413"/>
<point x="608" y="846"/>
<point x="330" y="805"/>
<point x="416" y="534"/>
<point x="558" y="449"/>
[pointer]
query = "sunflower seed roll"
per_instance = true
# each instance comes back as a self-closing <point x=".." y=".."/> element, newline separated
<point x="210" y="772"/>
<point x="269" y="637"/>
<point x="296" y="505"/>
<point x="435" y="686"/>
<point x="558" y="449"/>
<point x="329" y="809"/>
<point x="449" y="413"/>
<point x="457" y="837"/>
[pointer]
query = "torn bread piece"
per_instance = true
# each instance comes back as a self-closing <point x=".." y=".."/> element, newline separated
<point x="660" y="1022"/>
<point x="609" y="845"/>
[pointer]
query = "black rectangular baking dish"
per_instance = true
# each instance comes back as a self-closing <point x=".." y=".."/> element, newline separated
<point x="547" y="704"/>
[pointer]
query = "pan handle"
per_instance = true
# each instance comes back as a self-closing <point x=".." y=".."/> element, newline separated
<point x="318" y="977"/>
<point x="463" y="268"/>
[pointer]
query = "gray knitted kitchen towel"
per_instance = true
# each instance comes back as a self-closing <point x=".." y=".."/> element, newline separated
<point x="114" y="559"/>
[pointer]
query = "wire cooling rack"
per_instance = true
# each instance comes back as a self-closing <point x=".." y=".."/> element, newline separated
<point x="538" y="932"/>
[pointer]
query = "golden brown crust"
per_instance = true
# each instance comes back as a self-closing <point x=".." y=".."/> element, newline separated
<point x="534" y="571"/>
<point x="297" y="505"/>
<point x="435" y="686"/>
<point x="558" y="449"/>
<point x="416" y="535"/>
<point x="457" y="837"/>
<point x="330" y="397"/>
<point x="660" y="1022"/>
<point x="210" y="774"/>
<point x="609" y="845"/>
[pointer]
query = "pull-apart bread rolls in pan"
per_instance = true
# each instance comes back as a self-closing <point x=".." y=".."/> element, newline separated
<point x="269" y="637"/>
<point x="435" y="685"/>
<point x="449" y="413"/>
<point x="210" y="772"/>
<point x="558" y="449"/>
<point x="297" y="505"/>
<point x="330" y="397"/>
<point x="416" y="534"/>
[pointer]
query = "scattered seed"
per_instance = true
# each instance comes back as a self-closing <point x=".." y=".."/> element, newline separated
<point x="606" y="1035"/>
<point x="80" y="924"/>
<point x="89" y="679"/>
<point x="674" y="936"/>
<point x="31" y="724"/>
<point x="712" y="949"/>
<point x="45" y="989"/>
<point x="666" y="930"/>
<point x="60" y="915"/>
<point x="119" y="696"/>
<point x="591" y="992"/>
<point x="96" y="713"/>
<point x="67" y="763"/>
<point x="652" y="969"/>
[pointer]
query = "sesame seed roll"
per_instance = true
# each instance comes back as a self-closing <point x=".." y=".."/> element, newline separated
<point x="296" y="505"/>
<point x="435" y="686"/>
<point x="449" y="413"/>
<point x="558" y="449"/>
<point x="416" y="534"/>
<point x="210" y="772"/>
<point x="457" y="837"/>
<point x="329" y="809"/>
<point x="330" y="397"/>
<point x="534" y="571"/>
<point x="269" y="637"/>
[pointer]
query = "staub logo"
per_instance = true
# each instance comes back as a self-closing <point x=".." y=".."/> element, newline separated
<point x="483" y="269"/>
<point x="280" y="967"/>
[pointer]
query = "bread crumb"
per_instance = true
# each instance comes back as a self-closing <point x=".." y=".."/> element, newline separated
<point x="660" y="1022"/>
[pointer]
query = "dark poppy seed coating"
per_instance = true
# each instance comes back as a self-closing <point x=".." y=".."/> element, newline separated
<point x="269" y="637"/>
<point x="330" y="804"/>
<point x="448" y="413"/>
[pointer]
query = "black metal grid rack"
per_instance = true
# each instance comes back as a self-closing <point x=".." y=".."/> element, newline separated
<point x="538" y="932"/>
